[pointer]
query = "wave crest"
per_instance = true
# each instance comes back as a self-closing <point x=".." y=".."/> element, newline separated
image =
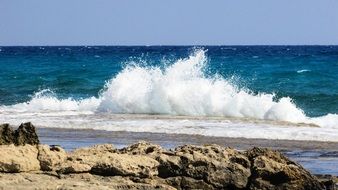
<point x="179" y="89"/>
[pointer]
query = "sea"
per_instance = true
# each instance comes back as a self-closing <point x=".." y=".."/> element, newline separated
<point x="269" y="92"/>
<point x="80" y="95"/>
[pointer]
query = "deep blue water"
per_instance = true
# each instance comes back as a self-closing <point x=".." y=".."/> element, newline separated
<point x="307" y="74"/>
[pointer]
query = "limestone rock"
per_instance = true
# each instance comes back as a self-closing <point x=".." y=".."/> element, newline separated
<point x="142" y="147"/>
<point x="74" y="168"/>
<point x="18" y="159"/>
<point x="85" y="181"/>
<point x="6" y="134"/>
<point x="148" y="166"/>
<point x="272" y="170"/>
<point x="83" y="159"/>
<point x="50" y="157"/>
<point x="188" y="183"/>
<point x="218" y="166"/>
<point x="125" y="165"/>
<point x="104" y="160"/>
<point x="26" y="134"/>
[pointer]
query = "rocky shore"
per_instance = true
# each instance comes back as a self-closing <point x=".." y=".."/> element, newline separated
<point x="26" y="164"/>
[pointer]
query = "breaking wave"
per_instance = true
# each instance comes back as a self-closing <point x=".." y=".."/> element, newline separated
<point x="182" y="88"/>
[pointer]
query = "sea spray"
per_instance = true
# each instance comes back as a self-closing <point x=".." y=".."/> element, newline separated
<point x="181" y="88"/>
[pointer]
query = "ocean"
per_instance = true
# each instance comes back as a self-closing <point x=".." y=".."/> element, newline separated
<point x="264" y="92"/>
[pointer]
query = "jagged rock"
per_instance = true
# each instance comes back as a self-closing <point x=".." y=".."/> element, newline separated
<point x="272" y="170"/>
<point x="148" y="166"/>
<point x="218" y="166"/>
<point x="26" y="134"/>
<point x="6" y="134"/>
<point x="18" y="159"/>
<point x="51" y="157"/>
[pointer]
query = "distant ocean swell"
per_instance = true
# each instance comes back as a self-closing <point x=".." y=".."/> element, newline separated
<point x="181" y="88"/>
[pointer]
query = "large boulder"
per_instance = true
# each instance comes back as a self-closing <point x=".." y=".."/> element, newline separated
<point x="15" y="159"/>
<point x="272" y="170"/>
<point x="6" y="134"/>
<point x="50" y="157"/>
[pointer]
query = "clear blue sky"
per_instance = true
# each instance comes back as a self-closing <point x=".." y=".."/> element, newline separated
<point x="170" y="22"/>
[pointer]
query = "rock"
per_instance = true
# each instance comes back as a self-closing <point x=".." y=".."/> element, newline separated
<point x="83" y="159"/>
<point x="330" y="182"/>
<point x="104" y="160"/>
<point x="220" y="167"/>
<point x="147" y="166"/>
<point x="271" y="170"/>
<point x="26" y="134"/>
<point x="95" y="150"/>
<point x="85" y="181"/>
<point x="74" y="168"/>
<point x="51" y="157"/>
<point x="6" y="134"/>
<point x="18" y="159"/>
<point x="188" y="183"/>
<point x="141" y="148"/>
<point x="125" y="165"/>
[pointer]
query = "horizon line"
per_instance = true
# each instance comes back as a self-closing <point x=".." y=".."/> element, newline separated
<point x="80" y="45"/>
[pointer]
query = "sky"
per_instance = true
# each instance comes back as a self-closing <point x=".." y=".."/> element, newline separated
<point x="170" y="22"/>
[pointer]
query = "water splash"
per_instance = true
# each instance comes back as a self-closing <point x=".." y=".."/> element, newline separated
<point x="178" y="89"/>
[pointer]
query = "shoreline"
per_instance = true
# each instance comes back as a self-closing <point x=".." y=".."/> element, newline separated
<point x="317" y="156"/>
<point x="50" y="135"/>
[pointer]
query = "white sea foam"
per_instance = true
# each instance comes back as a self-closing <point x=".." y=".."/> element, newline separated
<point x="45" y="100"/>
<point x="303" y="71"/>
<point x="183" y="89"/>
<point x="179" y="89"/>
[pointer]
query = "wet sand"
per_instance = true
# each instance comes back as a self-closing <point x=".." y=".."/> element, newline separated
<point x="318" y="157"/>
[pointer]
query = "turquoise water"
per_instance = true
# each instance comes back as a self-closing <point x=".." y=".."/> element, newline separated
<point x="276" y="92"/>
<point x="307" y="74"/>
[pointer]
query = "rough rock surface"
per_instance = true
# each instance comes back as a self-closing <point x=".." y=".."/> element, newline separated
<point x="18" y="159"/>
<point x="50" y="157"/>
<point x="272" y="170"/>
<point x="6" y="134"/>
<point x="25" y="134"/>
<point x="147" y="166"/>
<point x="85" y="181"/>
<point x="215" y="165"/>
